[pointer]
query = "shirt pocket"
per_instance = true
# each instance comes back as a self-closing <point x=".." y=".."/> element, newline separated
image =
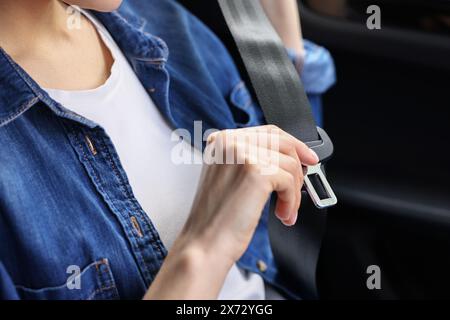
<point x="243" y="108"/>
<point x="94" y="282"/>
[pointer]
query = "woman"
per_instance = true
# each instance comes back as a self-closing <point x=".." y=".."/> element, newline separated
<point x="91" y="194"/>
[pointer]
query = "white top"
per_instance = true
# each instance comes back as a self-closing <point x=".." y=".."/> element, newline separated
<point x="142" y="138"/>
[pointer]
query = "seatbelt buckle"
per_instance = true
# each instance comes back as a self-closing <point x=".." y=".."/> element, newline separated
<point x="316" y="183"/>
<point x="318" y="187"/>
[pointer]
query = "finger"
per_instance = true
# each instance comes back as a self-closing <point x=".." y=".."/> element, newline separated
<point x="284" y="184"/>
<point x="291" y="221"/>
<point x="290" y="164"/>
<point x="284" y="175"/>
<point x="306" y="155"/>
<point x="275" y="138"/>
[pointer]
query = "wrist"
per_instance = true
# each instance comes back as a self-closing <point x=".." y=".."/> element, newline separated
<point x="198" y="255"/>
<point x="189" y="272"/>
<point x="298" y="58"/>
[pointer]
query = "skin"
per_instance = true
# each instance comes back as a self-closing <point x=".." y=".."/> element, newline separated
<point x="51" y="52"/>
<point x="285" y="18"/>
<point x="230" y="197"/>
<point x="227" y="209"/>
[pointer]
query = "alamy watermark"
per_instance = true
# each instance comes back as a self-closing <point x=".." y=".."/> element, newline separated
<point x="74" y="280"/>
<point x="374" y="20"/>
<point x="373" y="282"/>
<point x="73" y="17"/>
<point x="258" y="146"/>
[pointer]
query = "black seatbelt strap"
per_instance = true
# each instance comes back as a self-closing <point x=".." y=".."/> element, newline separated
<point x="281" y="95"/>
<point x="278" y="86"/>
<point x="275" y="80"/>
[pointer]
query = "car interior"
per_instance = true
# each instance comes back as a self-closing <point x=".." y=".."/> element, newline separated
<point x="387" y="116"/>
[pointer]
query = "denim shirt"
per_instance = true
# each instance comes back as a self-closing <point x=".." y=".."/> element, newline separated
<point x="70" y="226"/>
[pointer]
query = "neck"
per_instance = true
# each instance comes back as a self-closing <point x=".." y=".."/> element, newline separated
<point x="26" y="23"/>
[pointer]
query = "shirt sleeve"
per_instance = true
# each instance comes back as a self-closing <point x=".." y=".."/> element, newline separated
<point x="316" y="68"/>
<point x="7" y="289"/>
<point x="318" y="74"/>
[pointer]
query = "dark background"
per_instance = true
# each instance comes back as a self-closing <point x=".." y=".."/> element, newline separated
<point x="389" y="118"/>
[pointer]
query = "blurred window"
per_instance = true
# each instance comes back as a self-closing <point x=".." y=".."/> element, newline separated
<point x="424" y="15"/>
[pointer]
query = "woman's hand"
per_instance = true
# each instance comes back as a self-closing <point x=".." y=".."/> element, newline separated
<point x="228" y="206"/>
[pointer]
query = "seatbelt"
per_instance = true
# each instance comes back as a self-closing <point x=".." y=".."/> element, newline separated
<point x="278" y="87"/>
<point x="282" y="97"/>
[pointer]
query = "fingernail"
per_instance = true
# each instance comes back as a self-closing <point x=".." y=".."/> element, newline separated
<point x="284" y="222"/>
<point x="314" y="154"/>
<point x="295" y="220"/>
<point x="290" y="224"/>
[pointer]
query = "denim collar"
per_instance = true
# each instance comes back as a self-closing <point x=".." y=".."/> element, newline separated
<point x="19" y="92"/>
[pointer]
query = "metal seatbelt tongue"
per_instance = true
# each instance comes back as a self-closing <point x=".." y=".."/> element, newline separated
<point x="278" y="88"/>
<point x="315" y="175"/>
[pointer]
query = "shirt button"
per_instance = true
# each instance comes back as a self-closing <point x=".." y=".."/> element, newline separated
<point x="91" y="145"/>
<point x="261" y="265"/>
<point x="137" y="227"/>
